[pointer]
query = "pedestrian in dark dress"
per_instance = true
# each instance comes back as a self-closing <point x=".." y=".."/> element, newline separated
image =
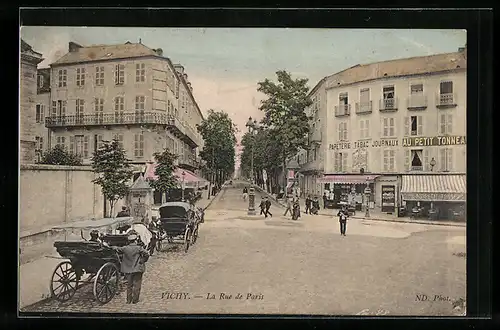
<point x="263" y="207"/>
<point x="342" y="214"/>
<point x="325" y="198"/>
<point x="315" y="206"/>
<point x="308" y="204"/>
<point x="268" y="206"/>
<point x="133" y="265"/>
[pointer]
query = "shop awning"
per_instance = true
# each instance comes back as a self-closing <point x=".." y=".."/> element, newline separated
<point x="434" y="188"/>
<point x="189" y="178"/>
<point x="347" y="179"/>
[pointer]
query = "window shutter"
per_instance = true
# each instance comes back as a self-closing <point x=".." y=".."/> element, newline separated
<point x="407" y="126"/>
<point x="54" y="108"/>
<point x="344" y="162"/>
<point x="407" y="160"/>
<point x="86" y="146"/>
<point x="386" y="161"/>
<point x="442" y="156"/>
<point x="420" y="125"/>
<point x="72" y="144"/>
<point x="341" y="134"/>
<point x="367" y="128"/>
<point x="385" y="127"/>
<point x="443" y="124"/>
<point x="136" y="145"/>
<point x="346" y="134"/>
<point x="391" y="127"/>
<point x="450" y="124"/>
<point x="141" y="151"/>
<point x="393" y="160"/>
<point x="335" y="162"/>
<point x="449" y="159"/>
<point x="426" y="160"/>
<point x="42" y="111"/>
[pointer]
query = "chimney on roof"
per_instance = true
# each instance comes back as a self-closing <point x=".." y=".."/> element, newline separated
<point x="140" y="40"/>
<point x="159" y="51"/>
<point x="179" y="68"/>
<point x="73" y="47"/>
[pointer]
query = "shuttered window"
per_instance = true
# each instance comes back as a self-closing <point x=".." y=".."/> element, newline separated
<point x="139" y="145"/>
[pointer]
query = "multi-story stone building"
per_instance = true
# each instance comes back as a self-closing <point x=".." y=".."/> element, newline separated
<point x="28" y="83"/>
<point x="42" y="107"/>
<point x="129" y="92"/>
<point x="399" y="126"/>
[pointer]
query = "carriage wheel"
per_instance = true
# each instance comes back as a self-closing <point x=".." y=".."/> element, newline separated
<point x="187" y="239"/>
<point x="64" y="282"/>
<point x="106" y="282"/>
<point x="159" y="245"/>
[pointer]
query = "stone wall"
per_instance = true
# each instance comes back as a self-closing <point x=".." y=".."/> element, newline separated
<point x="51" y="195"/>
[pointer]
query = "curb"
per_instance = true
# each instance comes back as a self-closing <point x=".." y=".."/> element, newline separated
<point x="214" y="198"/>
<point x="270" y="196"/>
<point x="378" y="219"/>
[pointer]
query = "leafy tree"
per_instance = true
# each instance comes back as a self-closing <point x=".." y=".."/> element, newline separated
<point x="284" y="113"/>
<point x="114" y="171"/>
<point x="219" y="133"/>
<point x="165" y="171"/>
<point x="59" y="156"/>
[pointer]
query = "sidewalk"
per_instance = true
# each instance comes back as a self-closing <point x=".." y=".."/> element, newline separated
<point x="34" y="279"/>
<point x="374" y="215"/>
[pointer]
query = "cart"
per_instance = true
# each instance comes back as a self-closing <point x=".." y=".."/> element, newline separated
<point x="179" y="221"/>
<point x="89" y="262"/>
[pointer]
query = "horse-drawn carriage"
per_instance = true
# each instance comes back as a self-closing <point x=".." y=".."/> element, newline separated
<point x="178" y="221"/>
<point x="89" y="261"/>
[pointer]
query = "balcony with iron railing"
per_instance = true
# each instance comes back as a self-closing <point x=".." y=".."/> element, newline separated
<point x="315" y="136"/>
<point x="188" y="162"/>
<point x="342" y="110"/>
<point x="125" y="118"/>
<point x="417" y="101"/>
<point x="364" y="107"/>
<point x="388" y="105"/>
<point x="446" y="100"/>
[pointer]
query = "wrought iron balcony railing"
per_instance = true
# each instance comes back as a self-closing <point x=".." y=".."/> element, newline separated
<point x="446" y="100"/>
<point x="117" y="118"/>
<point x="417" y="101"/>
<point x="363" y="107"/>
<point x="342" y="110"/>
<point x="388" y="105"/>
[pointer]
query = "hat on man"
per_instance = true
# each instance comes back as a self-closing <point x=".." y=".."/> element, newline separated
<point x="132" y="235"/>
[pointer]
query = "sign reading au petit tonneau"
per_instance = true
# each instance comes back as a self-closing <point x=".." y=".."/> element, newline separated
<point x="433" y="141"/>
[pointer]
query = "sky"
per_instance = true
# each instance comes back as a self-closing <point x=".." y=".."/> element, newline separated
<point x="224" y="65"/>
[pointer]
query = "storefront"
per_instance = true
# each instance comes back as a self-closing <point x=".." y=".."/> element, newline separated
<point x="386" y="196"/>
<point x="440" y="196"/>
<point x="346" y="188"/>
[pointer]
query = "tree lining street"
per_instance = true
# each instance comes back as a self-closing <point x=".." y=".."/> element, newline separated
<point x="296" y="267"/>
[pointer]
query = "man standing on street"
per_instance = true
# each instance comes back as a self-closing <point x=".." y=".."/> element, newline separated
<point x="342" y="214"/>
<point x="123" y="213"/>
<point x="133" y="265"/>
<point x="268" y="206"/>
<point x="308" y="204"/>
<point x="263" y="207"/>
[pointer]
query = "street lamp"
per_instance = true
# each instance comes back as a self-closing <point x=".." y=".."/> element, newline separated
<point x="368" y="192"/>
<point x="432" y="163"/>
<point x="183" y="176"/>
<point x="253" y="126"/>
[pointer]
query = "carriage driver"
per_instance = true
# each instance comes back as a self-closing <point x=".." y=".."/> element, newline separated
<point x="133" y="266"/>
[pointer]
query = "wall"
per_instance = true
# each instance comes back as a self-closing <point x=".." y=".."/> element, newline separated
<point x="50" y="195"/>
<point x="27" y="111"/>
<point x="430" y="115"/>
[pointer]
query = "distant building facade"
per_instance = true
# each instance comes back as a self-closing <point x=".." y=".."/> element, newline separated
<point x="127" y="92"/>
<point x="28" y="91"/>
<point x="399" y="126"/>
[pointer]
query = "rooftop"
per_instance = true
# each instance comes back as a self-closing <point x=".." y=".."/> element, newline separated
<point x="400" y="67"/>
<point x="78" y="54"/>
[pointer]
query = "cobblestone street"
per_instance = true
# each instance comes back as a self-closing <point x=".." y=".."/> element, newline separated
<point x="243" y="264"/>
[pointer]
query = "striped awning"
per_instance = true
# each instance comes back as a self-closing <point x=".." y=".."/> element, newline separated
<point x="445" y="188"/>
<point x="347" y="179"/>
